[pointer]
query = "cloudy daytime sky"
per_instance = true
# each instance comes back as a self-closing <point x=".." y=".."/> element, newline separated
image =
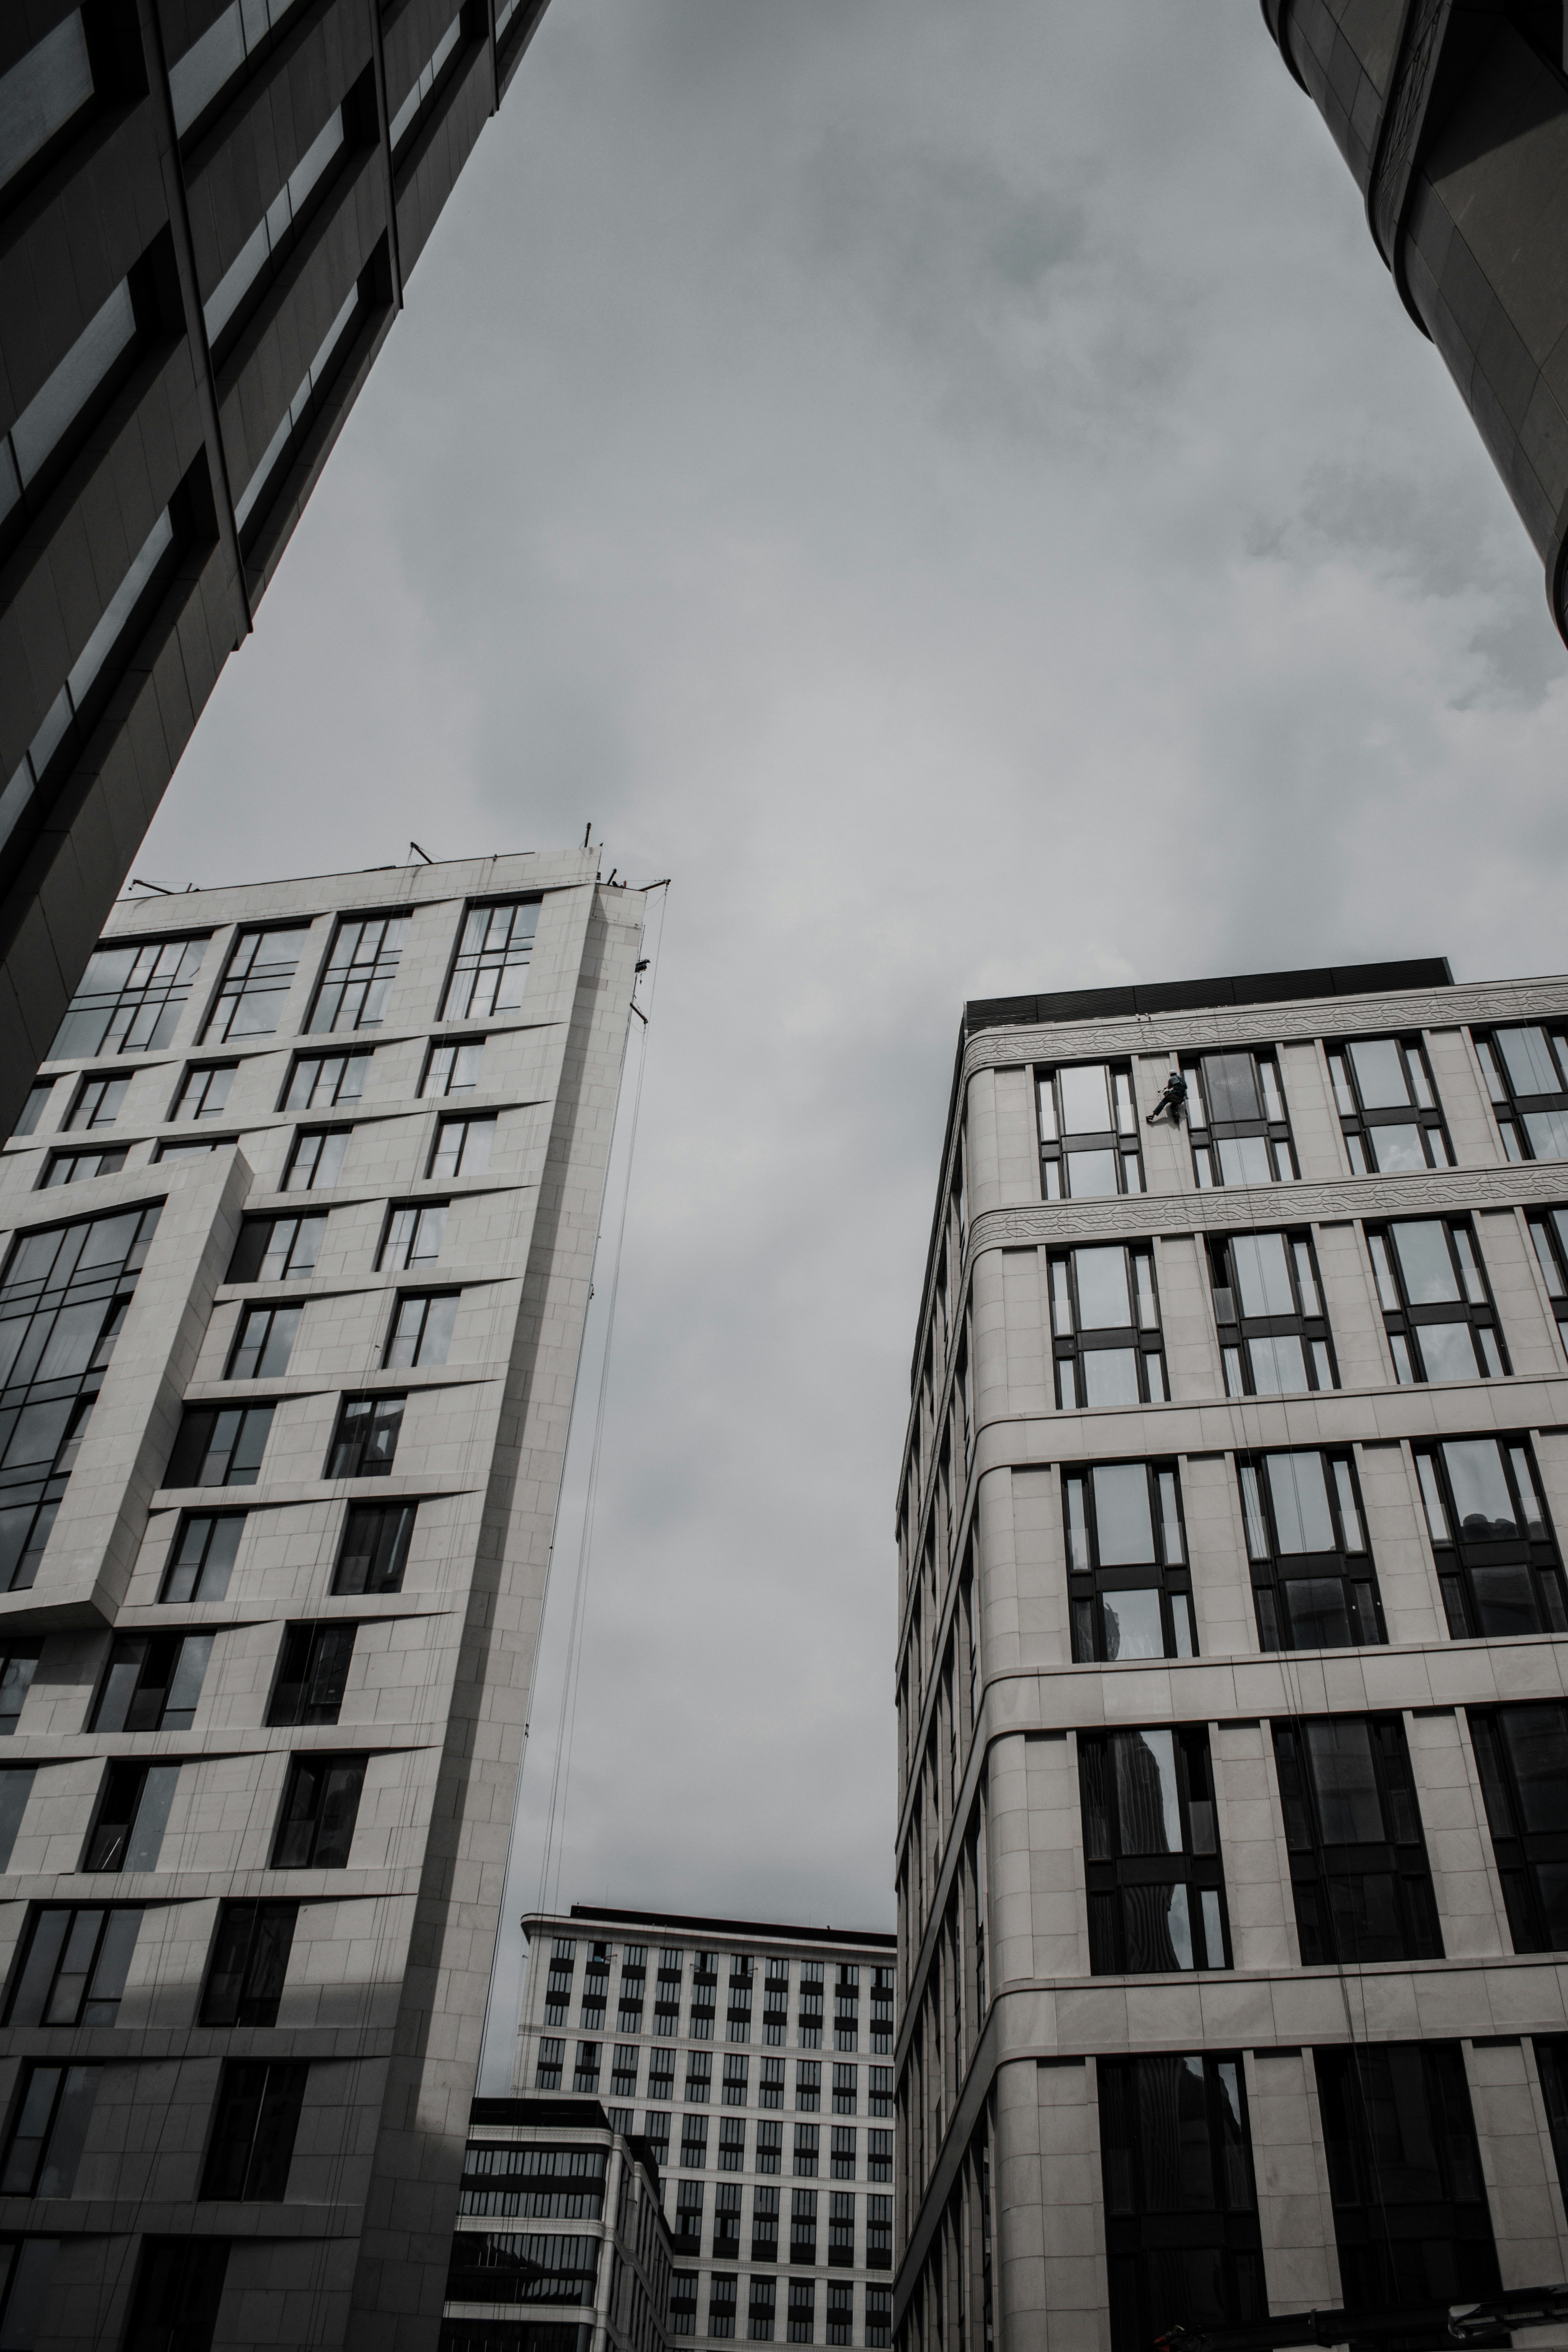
<point x="949" y="483"/>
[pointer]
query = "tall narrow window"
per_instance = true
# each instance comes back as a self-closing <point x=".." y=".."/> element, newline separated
<point x="878" y="2233"/>
<point x="364" y="1445"/>
<point x="33" y="1110"/>
<point x="738" y="2023"/>
<point x="762" y="2302"/>
<point x="624" y="2073"/>
<point x="320" y="1806"/>
<point x="18" y="1665"/>
<point x="462" y="1148"/>
<point x="1128" y="1585"/>
<point x="1404" y="2176"/>
<point x="1236" y="1115"/>
<point x="882" y="2013"/>
<point x="808" y="2085"/>
<point x="1524" y="1070"/>
<point x="1269" y="1308"/>
<point x="803" y="2212"/>
<point x="1388" y="1111"/>
<point x="360" y="972"/>
<point x="249" y="1963"/>
<point x="1436" y="1307"/>
<point x="202" y="1559"/>
<point x="1088" y="1130"/>
<point x="1358" y="1860"/>
<point x="847" y="2007"/>
<point x="1105" y="1315"/>
<point x="132" y="1814"/>
<point x="634" y="1979"/>
<point x="808" y="2146"/>
<point x="413" y="1235"/>
<point x="547" y="2073"/>
<point x="312" y="1673"/>
<point x="808" y="2017"/>
<point x="1498" y="1566"/>
<point x="252" y="2143"/>
<point x="775" y="2003"/>
<point x="765" y="2225"/>
<point x="1182" y="2244"/>
<point x="1549" y="1232"/>
<point x="374" y="1549"/>
<point x="802" y="2327"/>
<point x="491" y="968"/>
<point x="1312" y="1581"/>
<point x="558" y="1984"/>
<point x="421" y="1329"/>
<point x="1156" y="1898"/>
<point x="256" y="986"/>
<point x="1521" y="1753"/>
<point x="585" y="2073"/>
<point x="130" y="999"/>
<point x="263" y="1343"/>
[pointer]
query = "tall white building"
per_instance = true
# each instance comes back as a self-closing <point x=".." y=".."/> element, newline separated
<point x="755" y="2062"/>
<point x="1233" y="1842"/>
<point x="299" y="1228"/>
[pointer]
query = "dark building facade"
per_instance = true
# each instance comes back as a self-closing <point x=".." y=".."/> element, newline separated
<point x="208" y="213"/>
<point x="1453" y="116"/>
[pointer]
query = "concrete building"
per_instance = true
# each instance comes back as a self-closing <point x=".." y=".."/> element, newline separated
<point x="209" y="210"/>
<point x="1454" y="121"/>
<point x="298" y="1232"/>
<point x="596" y="2277"/>
<point x="1233" y="1842"/>
<point x="760" y="2060"/>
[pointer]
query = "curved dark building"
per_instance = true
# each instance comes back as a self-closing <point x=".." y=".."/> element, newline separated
<point x="1453" y="116"/>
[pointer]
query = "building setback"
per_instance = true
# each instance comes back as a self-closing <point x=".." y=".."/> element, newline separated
<point x="759" y="2058"/>
<point x="1454" y="121"/>
<point x="209" y="210"/>
<point x="1233" y="1840"/>
<point x="296" y="1237"/>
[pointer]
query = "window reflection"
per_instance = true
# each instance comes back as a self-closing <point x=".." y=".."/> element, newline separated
<point x="1089" y="1132"/>
<point x="1131" y="1591"/>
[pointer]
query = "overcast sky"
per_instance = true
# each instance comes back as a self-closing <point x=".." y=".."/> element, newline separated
<point x="953" y="486"/>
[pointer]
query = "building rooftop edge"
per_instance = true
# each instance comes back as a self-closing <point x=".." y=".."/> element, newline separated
<point x="696" y="1923"/>
<point x="1196" y="995"/>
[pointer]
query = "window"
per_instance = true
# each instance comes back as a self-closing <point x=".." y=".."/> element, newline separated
<point x="203" y="1150"/>
<point x="880" y="2102"/>
<point x="1089" y="1132"/>
<point x="18" y="1665"/>
<point x="250" y="1962"/>
<point x="491" y="969"/>
<point x="374" y="1550"/>
<point x="320" y="1806"/>
<point x="252" y="2143"/>
<point x="16" y="1788"/>
<point x="365" y="1444"/>
<point x="1312" y="1582"/>
<point x="98" y="1103"/>
<point x="264" y="1343"/>
<point x="808" y="2085"/>
<point x="503" y="2267"/>
<point x="27" y="2273"/>
<point x="765" y="2225"/>
<point x="623" y="2072"/>
<point x="81" y="1167"/>
<point x="403" y="121"/>
<point x="761" y="2307"/>
<point x="1181" y="2213"/>
<point x="462" y="1148"/>
<point x="359" y="975"/>
<point x="879" y="2316"/>
<point x="220" y="1445"/>
<point x="326" y="1081"/>
<point x="694" y="2142"/>
<point x="203" y="1556"/>
<point x="846" y="2090"/>
<point x="74" y="1966"/>
<point x="655" y="2131"/>
<point x="1129" y="1590"/>
<point x="842" y="2151"/>
<point x="841" y="2231"/>
<point x="736" y="2072"/>
<point x="312" y="1673"/>
<point x="1404" y="2176"/>
<point x="1521" y="1754"/>
<point x="667" y="1992"/>
<point x="879" y="2156"/>
<point x="49" y="2131"/>
<point x="699" y="2074"/>
<point x="453" y="1070"/>
<point x="205" y="1091"/>
<point x="1523" y="1069"/>
<point x="770" y="2088"/>
<point x="422" y="1330"/>
<point x="1496" y="1564"/>
<point x="130" y="999"/>
<point x="154" y="1682"/>
<point x="1387" y="1109"/>
<point x="1549" y="1232"/>
<point x="256" y="986"/>
<point x="595" y="1987"/>
<point x="558" y="1985"/>
<point x="882" y="1979"/>
<point x="802" y="2309"/>
<point x="720" y="2293"/>
<point x="1105" y="1318"/>
<point x="1151" y="1846"/>
<point x="775" y="2003"/>
<point x="206" y="67"/>
<point x="840" y="2308"/>
<point x="808" y="2138"/>
<point x="1358" y="1862"/>
<point x="132" y="1814"/>
<point x="585" y="2073"/>
<point x="413" y="1236"/>
<point x="33" y="1108"/>
<point x="547" y="2074"/>
<point x="1436" y="1305"/>
<point x="688" y="2211"/>
<point x="317" y="1160"/>
<point x="803" y="2218"/>
<point x="1273" y="1336"/>
<point x="738" y="2025"/>
<point x="847" y="2008"/>
<point x="878" y="2233"/>
<point x="727" y="2221"/>
<point x="704" y="1996"/>
<point x="276" y="1249"/>
<point x="683" y="2284"/>
<point x="1551" y="2066"/>
<point x="770" y="2147"/>
<point x="661" y="2073"/>
<point x="1236" y="1117"/>
<point x="732" y="2144"/>
<point x="634" y="1978"/>
<point x="808" y="2016"/>
<point x="545" y="2184"/>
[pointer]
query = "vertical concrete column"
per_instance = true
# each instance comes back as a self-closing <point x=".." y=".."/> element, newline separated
<point x="1040" y="1568"/>
<point x="1058" y="1902"/>
<point x="1222" y="1587"/>
<point x="1350" y="1301"/>
<point x="1186" y="1316"/>
<point x="1017" y="1138"/>
<point x="996" y="1519"/>
<point x="1011" y="1906"/>
<point x="1516" y="2159"/>
<point x="1029" y="1373"/>
<point x="1310" y="1106"/>
<point x="1073" y="2252"/>
<point x="980" y="1163"/>
<point x="1252" y="1847"/>
<point x="1465" y="1883"/>
<point x="1020" y="2264"/>
<point x="1295" y="2214"/>
<point x="1400" y="1555"/>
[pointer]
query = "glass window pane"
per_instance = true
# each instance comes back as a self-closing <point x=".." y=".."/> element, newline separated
<point x="1244" y="1159"/>
<point x="1447" y="1352"/>
<point x="1230" y="1086"/>
<point x="1252" y="1511"/>
<point x="1122" y="1521"/>
<point x="1338" y="1754"/>
<point x="1110" y="1375"/>
<point x="1085" y="1100"/>
<point x="1424" y="1263"/>
<point x="1379" y="1073"/>
<point x="1279" y="1366"/>
<point x="1396" y="1148"/>
<point x="1482" y="1499"/>
<point x="1091" y="1175"/>
<point x="1319" y="1617"/>
<point x="1263" y="1274"/>
<point x="1158" y="1928"/>
<point x="1146" y="1801"/>
<point x="1505" y="1600"/>
<point x="1300" y="1500"/>
<point x="1529" y="1060"/>
<point x="1548" y="1133"/>
<point x="1133" y="1627"/>
<point x="1102" y="1299"/>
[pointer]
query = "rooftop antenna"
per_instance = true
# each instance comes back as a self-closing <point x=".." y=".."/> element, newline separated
<point x="425" y="853"/>
<point x="587" y="829"/>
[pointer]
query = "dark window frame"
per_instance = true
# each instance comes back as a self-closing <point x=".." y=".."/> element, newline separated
<point x="1472" y="1568"/>
<point x="1091" y="1585"/>
<point x="1404" y="1321"/>
<point x="1140" y="2110"/>
<point x="215" y="1525"/>
<point x="1058" y="1145"/>
<point x="1398" y="2252"/>
<point x="234" y="989"/>
<point x="1525" y="1118"/>
<point x="251" y="2166"/>
<point x="263" y="1314"/>
<point x="1075" y="1346"/>
<point x="1360" y="1121"/>
<point x="1275" y="1571"/>
<point x="311" y="1675"/>
<point x="1239" y="1332"/>
<point x="52" y="1963"/>
<point x="1531" y="1857"/>
<point x="1328" y="1932"/>
<point x="366" y="1435"/>
<point x="366" y="980"/>
<point x="258" y="1243"/>
<point x="1127" y="1872"/>
<point x="303" y="1829"/>
<point x="354" y="1061"/>
<point x="393" y="1555"/>
<point x="255" y="1938"/>
<point x="1270" y="1123"/>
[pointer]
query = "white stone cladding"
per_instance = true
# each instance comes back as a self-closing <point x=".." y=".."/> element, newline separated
<point x="854" y="2269"/>
<point x="388" y="1971"/>
<point x="1003" y="2025"/>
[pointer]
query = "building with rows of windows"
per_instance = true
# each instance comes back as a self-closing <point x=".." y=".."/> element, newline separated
<point x="209" y="210"/>
<point x="296" y="1237"/>
<point x="756" y="2062"/>
<point x="1233" y="1840"/>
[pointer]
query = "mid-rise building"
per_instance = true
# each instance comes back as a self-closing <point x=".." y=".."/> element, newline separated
<point x="209" y="212"/>
<point x="1233" y="1652"/>
<point x="560" y="2219"/>
<point x="757" y="2062"/>
<point x="296" y="1240"/>
<point x="1454" y="122"/>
